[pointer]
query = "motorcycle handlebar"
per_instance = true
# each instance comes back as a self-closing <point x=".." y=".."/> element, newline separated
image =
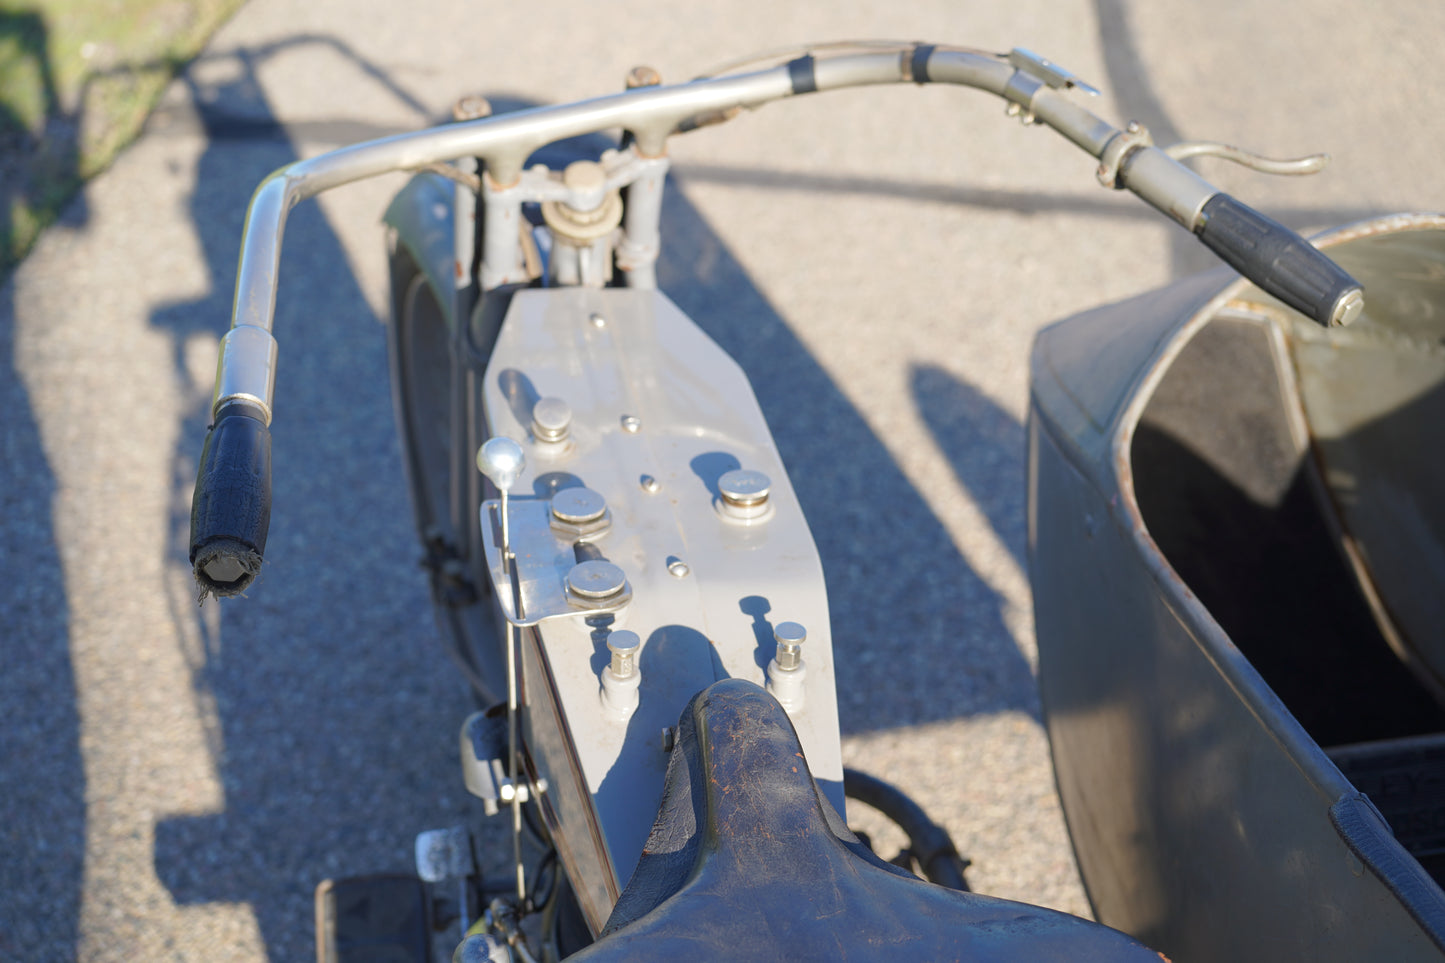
<point x="231" y="507"/>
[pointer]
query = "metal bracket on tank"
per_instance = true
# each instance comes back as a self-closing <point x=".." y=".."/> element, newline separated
<point x="548" y="579"/>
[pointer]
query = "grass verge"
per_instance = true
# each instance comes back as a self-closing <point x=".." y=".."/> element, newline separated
<point x="77" y="80"/>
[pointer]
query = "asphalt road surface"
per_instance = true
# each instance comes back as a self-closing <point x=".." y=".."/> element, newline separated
<point x="175" y="780"/>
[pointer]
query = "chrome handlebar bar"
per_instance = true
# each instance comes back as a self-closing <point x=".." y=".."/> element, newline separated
<point x="1037" y="91"/>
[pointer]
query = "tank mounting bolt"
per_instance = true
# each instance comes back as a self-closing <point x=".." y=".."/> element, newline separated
<point x="595" y="581"/>
<point x="623" y="645"/>
<point x="621" y="678"/>
<point x="743" y="495"/>
<point x="551" y="420"/>
<point x="790" y="637"/>
<point x="787" y="670"/>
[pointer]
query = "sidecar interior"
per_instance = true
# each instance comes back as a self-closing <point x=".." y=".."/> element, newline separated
<point x="1238" y="547"/>
<point x="1293" y="478"/>
<point x="748" y="860"/>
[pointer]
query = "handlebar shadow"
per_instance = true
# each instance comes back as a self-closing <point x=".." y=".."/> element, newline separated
<point x="331" y="698"/>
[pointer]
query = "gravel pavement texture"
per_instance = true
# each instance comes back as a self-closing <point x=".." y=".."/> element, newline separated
<point x="175" y="780"/>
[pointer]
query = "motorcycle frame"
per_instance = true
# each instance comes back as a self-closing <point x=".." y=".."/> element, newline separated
<point x="485" y="282"/>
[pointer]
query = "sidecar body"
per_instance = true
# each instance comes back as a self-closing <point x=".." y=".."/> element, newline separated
<point x="1237" y="538"/>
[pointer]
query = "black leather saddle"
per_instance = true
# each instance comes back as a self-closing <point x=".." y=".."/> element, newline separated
<point x="747" y="860"/>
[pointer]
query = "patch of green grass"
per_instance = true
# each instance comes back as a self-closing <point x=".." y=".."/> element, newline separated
<point x="77" y="80"/>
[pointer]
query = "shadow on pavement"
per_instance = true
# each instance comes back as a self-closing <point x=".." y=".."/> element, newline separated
<point x="907" y="609"/>
<point x="984" y="444"/>
<point x="42" y="777"/>
<point x="337" y="715"/>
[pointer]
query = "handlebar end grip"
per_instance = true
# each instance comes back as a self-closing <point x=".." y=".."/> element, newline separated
<point x="231" y="507"/>
<point x="1279" y="261"/>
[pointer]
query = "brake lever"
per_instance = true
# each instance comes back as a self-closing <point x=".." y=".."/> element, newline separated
<point x="1295" y="167"/>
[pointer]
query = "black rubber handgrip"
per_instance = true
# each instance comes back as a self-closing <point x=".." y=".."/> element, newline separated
<point x="231" y="508"/>
<point x="1279" y="261"/>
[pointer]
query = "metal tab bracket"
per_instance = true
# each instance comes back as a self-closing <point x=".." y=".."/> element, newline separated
<point x="541" y="562"/>
<point x="1047" y="71"/>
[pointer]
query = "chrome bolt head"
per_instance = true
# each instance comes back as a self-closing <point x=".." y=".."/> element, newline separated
<point x="631" y="424"/>
<point x="578" y="506"/>
<point x="624" y="646"/>
<point x="649" y="484"/>
<point x="743" y="496"/>
<point x="471" y="107"/>
<point x="595" y="580"/>
<point x="642" y="76"/>
<point x="790" y="637"/>
<point x="677" y="568"/>
<point x="551" y="419"/>
<point x="597" y="320"/>
<point x="744" y="487"/>
<point x="501" y="460"/>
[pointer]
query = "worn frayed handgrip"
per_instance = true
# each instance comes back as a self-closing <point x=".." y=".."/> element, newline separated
<point x="1279" y="261"/>
<point x="231" y="508"/>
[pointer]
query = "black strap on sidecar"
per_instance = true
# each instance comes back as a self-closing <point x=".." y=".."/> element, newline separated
<point x="747" y="860"/>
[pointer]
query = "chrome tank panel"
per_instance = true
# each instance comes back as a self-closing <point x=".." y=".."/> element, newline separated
<point x="615" y="354"/>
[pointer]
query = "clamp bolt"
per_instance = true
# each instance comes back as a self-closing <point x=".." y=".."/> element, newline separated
<point x="595" y="581"/>
<point x="471" y="107"/>
<point x="643" y="76"/>
<point x="590" y="211"/>
<point x="578" y="506"/>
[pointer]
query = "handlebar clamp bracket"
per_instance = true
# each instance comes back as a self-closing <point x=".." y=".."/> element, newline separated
<point x="1116" y="153"/>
